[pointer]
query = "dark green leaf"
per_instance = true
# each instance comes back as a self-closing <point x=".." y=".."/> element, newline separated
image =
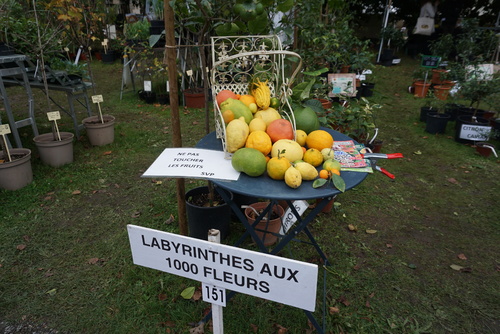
<point x="319" y="183"/>
<point x="338" y="182"/>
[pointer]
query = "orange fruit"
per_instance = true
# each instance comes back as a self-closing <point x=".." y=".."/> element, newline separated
<point x="228" y="116"/>
<point x="277" y="166"/>
<point x="313" y="156"/>
<point x="223" y="95"/>
<point x="260" y="141"/>
<point x="335" y="171"/>
<point x="247" y="99"/>
<point x="280" y="129"/>
<point x="324" y="174"/>
<point x="319" y="139"/>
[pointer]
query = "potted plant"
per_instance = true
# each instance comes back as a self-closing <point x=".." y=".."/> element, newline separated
<point x="137" y="33"/>
<point x="15" y="167"/>
<point x="393" y="39"/>
<point x="157" y="23"/>
<point x="205" y="210"/>
<point x="270" y="223"/>
<point x="55" y="148"/>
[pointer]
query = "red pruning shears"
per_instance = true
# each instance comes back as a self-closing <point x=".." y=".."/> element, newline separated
<point x="374" y="157"/>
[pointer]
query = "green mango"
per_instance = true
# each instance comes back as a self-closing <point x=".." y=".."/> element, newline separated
<point x="238" y="108"/>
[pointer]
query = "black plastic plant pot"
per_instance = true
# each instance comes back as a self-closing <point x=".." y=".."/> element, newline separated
<point x="424" y="111"/>
<point x="436" y="122"/>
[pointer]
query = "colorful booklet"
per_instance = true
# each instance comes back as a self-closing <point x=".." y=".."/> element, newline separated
<point x="347" y="153"/>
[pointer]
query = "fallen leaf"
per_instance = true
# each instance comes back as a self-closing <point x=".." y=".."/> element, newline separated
<point x="170" y="219"/>
<point x="187" y="293"/>
<point x="26" y="238"/>
<point x="344" y="301"/>
<point x="76" y="192"/>
<point x="367" y="304"/>
<point x="21" y="247"/>
<point x="371" y="295"/>
<point x="416" y="208"/>
<point x="352" y="227"/>
<point x="388" y="245"/>
<point x="466" y="270"/>
<point x="371" y="231"/>
<point x="425" y="137"/>
<point x="107" y="153"/>
<point x="197" y="295"/>
<point x="456" y="267"/>
<point x="198" y="329"/>
<point x="162" y="296"/>
<point x="412" y="266"/>
<point x="48" y="273"/>
<point x="462" y="256"/>
<point x="417" y="152"/>
<point x="51" y="292"/>
<point x="452" y="180"/>
<point x="93" y="260"/>
<point x="254" y="328"/>
<point x="281" y="329"/>
<point x="136" y="214"/>
<point x="195" y="122"/>
<point x="333" y="310"/>
<point x="158" y="183"/>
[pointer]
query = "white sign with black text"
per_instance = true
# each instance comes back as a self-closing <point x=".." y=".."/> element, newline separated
<point x="262" y="275"/>
<point x="289" y="218"/>
<point x="192" y="163"/>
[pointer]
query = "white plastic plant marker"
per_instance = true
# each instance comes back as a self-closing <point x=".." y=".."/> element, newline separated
<point x="147" y="85"/>
<point x="215" y="295"/>
<point x="5" y="130"/>
<point x="98" y="99"/>
<point x="53" y="116"/>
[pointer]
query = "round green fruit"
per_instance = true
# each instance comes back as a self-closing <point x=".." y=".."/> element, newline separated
<point x="249" y="161"/>
<point x="306" y="119"/>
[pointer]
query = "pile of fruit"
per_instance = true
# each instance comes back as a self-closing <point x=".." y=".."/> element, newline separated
<point x="263" y="142"/>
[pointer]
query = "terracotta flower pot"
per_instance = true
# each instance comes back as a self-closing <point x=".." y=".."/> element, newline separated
<point x="267" y="226"/>
<point x="421" y="88"/>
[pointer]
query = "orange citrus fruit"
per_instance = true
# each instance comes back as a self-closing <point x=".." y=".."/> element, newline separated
<point x="280" y="129"/>
<point x="277" y="166"/>
<point x="335" y="171"/>
<point x="228" y="116"/>
<point x="313" y="156"/>
<point x="319" y="139"/>
<point x="260" y="141"/>
<point x="247" y="99"/>
<point x="223" y="95"/>
<point x="324" y="174"/>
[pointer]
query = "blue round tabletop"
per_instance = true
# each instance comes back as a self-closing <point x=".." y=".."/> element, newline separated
<point x="265" y="187"/>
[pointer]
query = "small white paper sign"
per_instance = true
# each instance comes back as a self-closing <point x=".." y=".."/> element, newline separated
<point x="475" y="132"/>
<point x="189" y="72"/>
<point x="289" y="218"/>
<point x="4" y="129"/>
<point x="53" y="115"/>
<point x="192" y="163"/>
<point x="213" y="294"/>
<point x="147" y="85"/>
<point x="97" y="99"/>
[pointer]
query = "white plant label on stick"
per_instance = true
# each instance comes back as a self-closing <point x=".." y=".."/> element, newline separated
<point x="5" y="130"/>
<point x="147" y="85"/>
<point x="53" y="116"/>
<point x="98" y="99"/>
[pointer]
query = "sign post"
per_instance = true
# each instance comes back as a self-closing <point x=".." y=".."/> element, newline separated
<point x="257" y="274"/>
<point x="98" y="99"/>
<point x="5" y="130"/>
<point x="53" y="116"/>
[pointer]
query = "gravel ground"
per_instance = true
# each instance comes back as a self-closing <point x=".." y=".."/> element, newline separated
<point x="25" y="328"/>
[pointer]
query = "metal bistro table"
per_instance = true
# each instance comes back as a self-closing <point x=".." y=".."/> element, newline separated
<point x="267" y="188"/>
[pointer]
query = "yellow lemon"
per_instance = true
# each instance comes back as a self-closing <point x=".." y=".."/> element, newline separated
<point x="260" y="141"/>
<point x="331" y="164"/>
<point x="301" y="137"/>
<point x="247" y="99"/>
<point x="253" y="108"/>
<point x="257" y="124"/>
<point x="313" y="156"/>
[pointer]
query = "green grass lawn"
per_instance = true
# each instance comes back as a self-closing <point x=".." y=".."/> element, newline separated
<point x="65" y="259"/>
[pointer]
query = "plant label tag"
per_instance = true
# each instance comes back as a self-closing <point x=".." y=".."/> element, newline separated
<point x="97" y="99"/>
<point x="66" y="49"/>
<point x="475" y="132"/>
<point x="189" y="73"/>
<point x="213" y="295"/>
<point x="105" y="41"/>
<point x="53" y="115"/>
<point x="290" y="218"/>
<point x="362" y="77"/>
<point x="168" y="86"/>
<point x="4" y="129"/>
<point x="147" y="85"/>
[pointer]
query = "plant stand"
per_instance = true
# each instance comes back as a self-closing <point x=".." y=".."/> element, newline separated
<point x="17" y="173"/>
<point x="55" y="153"/>
<point x="99" y="133"/>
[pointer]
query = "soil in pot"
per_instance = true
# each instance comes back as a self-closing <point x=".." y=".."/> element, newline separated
<point x="202" y="217"/>
<point x="266" y="226"/>
<point x="53" y="152"/>
<point x="99" y="133"/>
<point x="17" y="173"/>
